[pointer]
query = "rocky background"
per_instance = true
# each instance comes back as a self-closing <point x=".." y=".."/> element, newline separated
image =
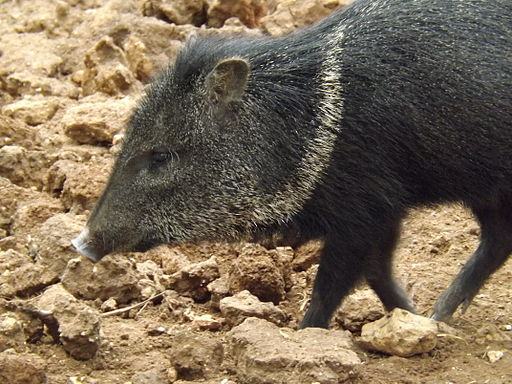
<point x="70" y="73"/>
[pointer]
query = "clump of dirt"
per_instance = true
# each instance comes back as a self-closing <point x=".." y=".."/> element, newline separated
<point x="70" y="73"/>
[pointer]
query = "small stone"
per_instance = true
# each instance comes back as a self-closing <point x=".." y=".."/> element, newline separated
<point x="52" y="245"/>
<point x="31" y="214"/>
<point x="51" y="249"/>
<point x="257" y="271"/>
<point x="138" y="60"/>
<point x="400" y="333"/>
<point x="14" y="163"/>
<point x="178" y="11"/>
<point x="14" y="131"/>
<point x="97" y="122"/>
<point x="78" y="324"/>
<point x="33" y="110"/>
<point x="173" y="260"/>
<point x="113" y="277"/>
<point x="78" y="76"/>
<point x="249" y="12"/>
<point x="117" y="139"/>
<point x="26" y="82"/>
<point x="307" y="255"/>
<point x="43" y="52"/>
<point x="218" y="289"/>
<point x="196" y="356"/>
<point x="153" y="376"/>
<point x="76" y="380"/>
<point x="172" y="374"/>
<point x="292" y="14"/>
<point x="78" y="184"/>
<point x="242" y="305"/>
<point x="154" y="275"/>
<point x="360" y="307"/>
<point x="106" y="69"/>
<point x="178" y="305"/>
<point x="193" y="279"/>
<point x="109" y="305"/>
<point x="10" y="260"/>
<point x="494" y="356"/>
<point x="147" y="288"/>
<point x="11" y="333"/>
<point x="157" y="331"/>
<point x="206" y="322"/>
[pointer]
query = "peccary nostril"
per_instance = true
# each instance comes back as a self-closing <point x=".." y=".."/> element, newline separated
<point x="84" y="246"/>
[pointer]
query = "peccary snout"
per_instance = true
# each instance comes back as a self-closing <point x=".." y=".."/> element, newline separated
<point x="85" y="246"/>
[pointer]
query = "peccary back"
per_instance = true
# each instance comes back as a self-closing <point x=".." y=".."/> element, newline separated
<point x="332" y="132"/>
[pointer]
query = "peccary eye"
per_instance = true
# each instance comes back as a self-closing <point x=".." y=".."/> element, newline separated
<point x="159" y="158"/>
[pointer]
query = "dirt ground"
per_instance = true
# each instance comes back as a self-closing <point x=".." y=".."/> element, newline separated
<point x="70" y="73"/>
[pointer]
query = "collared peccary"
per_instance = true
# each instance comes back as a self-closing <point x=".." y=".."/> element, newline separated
<point x="331" y="132"/>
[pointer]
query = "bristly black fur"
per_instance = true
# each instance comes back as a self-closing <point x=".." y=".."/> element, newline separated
<point x="340" y="129"/>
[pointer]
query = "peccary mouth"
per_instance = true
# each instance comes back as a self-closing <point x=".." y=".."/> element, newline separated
<point x="86" y="247"/>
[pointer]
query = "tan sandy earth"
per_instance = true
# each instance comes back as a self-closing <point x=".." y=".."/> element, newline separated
<point x="70" y="73"/>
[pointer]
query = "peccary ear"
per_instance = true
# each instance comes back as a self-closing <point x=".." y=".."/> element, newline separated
<point x="228" y="80"/>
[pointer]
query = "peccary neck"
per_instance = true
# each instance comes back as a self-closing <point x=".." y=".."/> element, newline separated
<point x="293" y="106"/>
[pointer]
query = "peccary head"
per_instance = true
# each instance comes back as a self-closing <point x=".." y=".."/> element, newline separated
<point x="202" y="159"/>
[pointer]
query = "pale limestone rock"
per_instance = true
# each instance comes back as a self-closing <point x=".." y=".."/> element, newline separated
<point x="401" y="333"/>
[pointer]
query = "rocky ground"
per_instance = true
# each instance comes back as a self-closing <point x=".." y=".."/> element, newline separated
<point x="70" y="73"/>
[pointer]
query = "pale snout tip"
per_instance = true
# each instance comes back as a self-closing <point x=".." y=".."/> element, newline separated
<point x="83" y="246"/>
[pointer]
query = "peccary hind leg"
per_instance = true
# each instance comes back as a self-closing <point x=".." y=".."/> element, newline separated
<point x="494" y="248"/>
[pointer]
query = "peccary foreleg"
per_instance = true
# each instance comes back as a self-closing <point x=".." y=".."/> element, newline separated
<point x="494" y="248"/>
